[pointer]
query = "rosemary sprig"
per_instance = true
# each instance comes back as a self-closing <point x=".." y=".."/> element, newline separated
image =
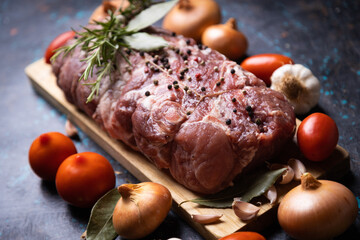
<point x="104" y="40"/>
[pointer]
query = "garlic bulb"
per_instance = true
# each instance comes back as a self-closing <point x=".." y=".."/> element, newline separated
<point x="300" y="87"/>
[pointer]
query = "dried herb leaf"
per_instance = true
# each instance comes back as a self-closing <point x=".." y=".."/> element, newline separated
<point x="261" y="184"/>
<point x="100" y="224"/>
<point x="145" y="42"/>
<point x="248" y="187"/>
<point x="150" y="16"/>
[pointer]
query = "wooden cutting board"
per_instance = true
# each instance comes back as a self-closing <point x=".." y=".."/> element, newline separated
<point x="44" y="82"/>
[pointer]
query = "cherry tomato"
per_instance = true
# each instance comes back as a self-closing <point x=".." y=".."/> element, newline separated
<point x="83" y="178"/>
<point x="48" y="151"/>
<point x="243" y="236"/>
<point x="263" y="65"/>
<point x="317" y="136"/>
<point x="58" y="42"/>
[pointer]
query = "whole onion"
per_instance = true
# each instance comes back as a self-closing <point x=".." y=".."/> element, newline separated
<point x="190" y="18"/>
<point x="141" y="209"/>
<point x="317" y="209"/>
<point x="226" y="39"/>
<point x="102" y="11"/>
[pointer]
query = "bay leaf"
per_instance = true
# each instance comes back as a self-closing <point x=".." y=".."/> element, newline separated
<point x="100" y="224"/>
<point x="150" y="16"/>
<point x="247" y="187"/>
<point x="145" y="42"/>
<point x="261" y="184"/>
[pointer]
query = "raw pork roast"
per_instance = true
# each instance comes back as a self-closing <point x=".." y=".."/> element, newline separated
<point x="187" y="108"/>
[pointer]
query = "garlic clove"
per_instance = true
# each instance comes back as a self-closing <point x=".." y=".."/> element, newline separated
<point x="83" y="236"/>
<point x="298" y="168"/>
<point x="271" y="194"/>
<point x="70" y="129"/>
<point x="288" y="174"/>
<point x="244" y="210"/>
<point x="205" y="219"/>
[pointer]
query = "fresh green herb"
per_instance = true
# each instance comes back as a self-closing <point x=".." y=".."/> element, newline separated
<point x="105" y="40"/>
<point x="248" y="187"/>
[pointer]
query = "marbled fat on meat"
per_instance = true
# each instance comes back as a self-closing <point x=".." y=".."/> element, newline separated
<point x="187" y="109"/>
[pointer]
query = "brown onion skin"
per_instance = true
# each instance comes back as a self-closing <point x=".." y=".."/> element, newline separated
<point x="226" y="39"/>
<point x="141" y="209"/>
<point x="321" y="213"/>
<point x="190" y="18"/>
<point x="101" y="11"/>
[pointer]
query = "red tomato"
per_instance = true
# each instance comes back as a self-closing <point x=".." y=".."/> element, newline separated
<point x="48" y="151"/>
<point x="317" y="136"/>
<point x="83" y="178"/>
<point x="263" y="65"/>
<point x="243" y="236"/>
<point x="58" y="42"/>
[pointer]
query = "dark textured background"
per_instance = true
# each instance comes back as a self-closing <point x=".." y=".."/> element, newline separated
<point x="323" y="35"/>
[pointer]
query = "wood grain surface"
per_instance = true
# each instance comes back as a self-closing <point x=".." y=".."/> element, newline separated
<point x="336" y="166"/>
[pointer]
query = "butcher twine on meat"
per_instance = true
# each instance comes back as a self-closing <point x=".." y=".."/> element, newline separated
<point x="186" y="108"/>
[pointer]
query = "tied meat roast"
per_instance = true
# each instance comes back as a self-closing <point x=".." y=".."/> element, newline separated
<point x="187" y="108"/>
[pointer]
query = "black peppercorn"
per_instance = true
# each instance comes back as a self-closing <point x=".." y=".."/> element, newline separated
<point x="169" y="86"/>
<point x="234" y="110"/>
<point x="228" y="122"/>
<point x="176" y="86"/>
<point x="188" y="51"/>
<point x="218" y="84"/>
<point x="203" y="89"/>
<point x="232" y="71"/>
<point x="175" y="82"/>
<point x="142" y="54"/>
<point x="147" y="93"/>
<point x="258" y="121"/>
<point x="156" y="82"/>
<point x="173" y="34"/>
<point x="248" y="108"/>
<point x="233" y="100"/>
<point x="188" y="41"/>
